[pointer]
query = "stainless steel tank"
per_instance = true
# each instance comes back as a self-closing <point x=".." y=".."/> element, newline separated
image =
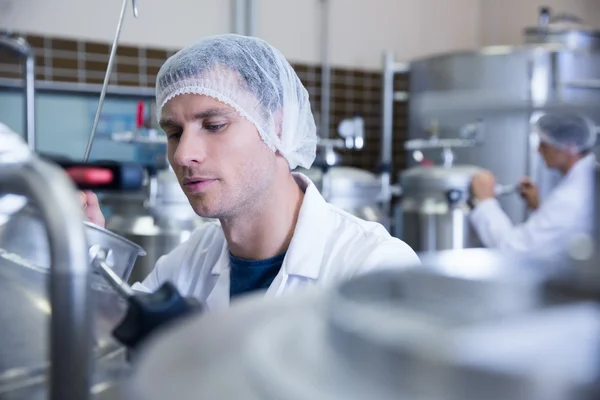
<point x="433" y="212"/>
<point x="564" y="29"/>
<point x="56" y="316"/>
<point x="465" y="325"/>
<point x="25" y="316"/>
<point x="352" y="189"/>
<point x="158" y="221"/>
<point x="507" y="89"/>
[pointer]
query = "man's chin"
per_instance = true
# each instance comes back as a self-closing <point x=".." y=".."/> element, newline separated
<point x="205" y="210"/>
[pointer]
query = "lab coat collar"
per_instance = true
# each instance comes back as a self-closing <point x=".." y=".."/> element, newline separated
<point x="307" y="246"/>
<point x="303" y="257"/>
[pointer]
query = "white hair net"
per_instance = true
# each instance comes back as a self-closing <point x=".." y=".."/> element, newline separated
<point x="255" y="79"/>
<point x="567" y="131"/>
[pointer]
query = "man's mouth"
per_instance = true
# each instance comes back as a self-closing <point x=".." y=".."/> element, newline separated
<point x="197" y="185"/>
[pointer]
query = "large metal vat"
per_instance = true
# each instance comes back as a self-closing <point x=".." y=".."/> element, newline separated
<point x="354" y="190"/>
<point x="465" y="325"/>
<point x="565" y="29"/>
<point x="506" y="89"/>
<point x="433" y="213"/>
<point x="24" y="318"/>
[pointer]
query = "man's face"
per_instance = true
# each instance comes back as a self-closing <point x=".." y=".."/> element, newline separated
<point x="553" y="157"/>
<point x="218" y="156"/>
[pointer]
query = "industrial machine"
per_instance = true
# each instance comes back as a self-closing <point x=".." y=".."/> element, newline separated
<point x="436" y="199"/>
<point x="508" y="89"/>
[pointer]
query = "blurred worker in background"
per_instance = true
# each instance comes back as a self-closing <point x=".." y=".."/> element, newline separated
<point x="566" y="142"/>
<point x="238" y="120"/>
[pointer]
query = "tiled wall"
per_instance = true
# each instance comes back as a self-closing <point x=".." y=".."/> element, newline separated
<point x="353" y="92"/>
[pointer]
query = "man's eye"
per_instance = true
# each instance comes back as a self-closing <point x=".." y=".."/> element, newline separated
<point x="173" y="135"/>
<point x="214" y="127"/>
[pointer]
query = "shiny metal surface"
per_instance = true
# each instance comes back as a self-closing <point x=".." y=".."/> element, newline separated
<point x="71" y="329"/>
<point x="26" y="312"/>
<point x="110" y="375"/>
<point x="506" y="89"/>
<point x="24" y="234"/>
<point x="325" y="46"/>
<point x="566" y="30"/>
<point x="354" y="190"/>
<point x="464" y="327"/>
<point x="388" y="97"/>
<point x="433" y="213"/>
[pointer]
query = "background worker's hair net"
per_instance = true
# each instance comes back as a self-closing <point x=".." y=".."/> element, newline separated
<point x="568" y="131"/>
<point x="255" y="79"/>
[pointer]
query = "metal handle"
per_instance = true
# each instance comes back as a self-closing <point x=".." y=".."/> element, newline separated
<point x="100" y="263"/>
<point x="109" y="67"/>
<point x="503" y="190"/>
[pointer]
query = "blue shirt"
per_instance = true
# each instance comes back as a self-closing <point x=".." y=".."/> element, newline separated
<point x="250" y="275"/>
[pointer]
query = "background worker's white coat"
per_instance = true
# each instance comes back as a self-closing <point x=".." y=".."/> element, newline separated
<point x="329" y="245"/>
<point x="567" y="212"/>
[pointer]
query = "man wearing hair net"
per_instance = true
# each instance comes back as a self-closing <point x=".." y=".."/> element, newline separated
<point x="566" y="142"/>
<point x="238" y="120"/>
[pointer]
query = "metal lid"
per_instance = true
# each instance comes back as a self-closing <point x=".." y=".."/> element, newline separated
<point x="425" y="180"/>
<point x="566" y="30"/>
<point x="394" y="334"/>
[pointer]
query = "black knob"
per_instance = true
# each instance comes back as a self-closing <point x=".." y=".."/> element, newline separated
<point x="453" y="196"/>
<point x="148" y="312"/>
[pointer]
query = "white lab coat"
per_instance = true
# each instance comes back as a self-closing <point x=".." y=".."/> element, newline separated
<point x="328" y="246"/>
<point x="566" y="213"/>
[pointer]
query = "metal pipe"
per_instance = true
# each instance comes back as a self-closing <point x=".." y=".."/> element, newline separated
<point x="388" y="108"/>
<point x="596" y="231"/>
<point x="22" y="49"/>
<point x="30" y="100"/>
<point x="593" y="84"/>
<point x="114" y="280"/>
<point x="422" y="144"/>
<point x="111" y="60"/>
<point x="71" y="323"/>
<point x="387" y="102"/>
<point x="237" y="16"/>
<point x="325" y="71"/>
<point x="251" y="18"/>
